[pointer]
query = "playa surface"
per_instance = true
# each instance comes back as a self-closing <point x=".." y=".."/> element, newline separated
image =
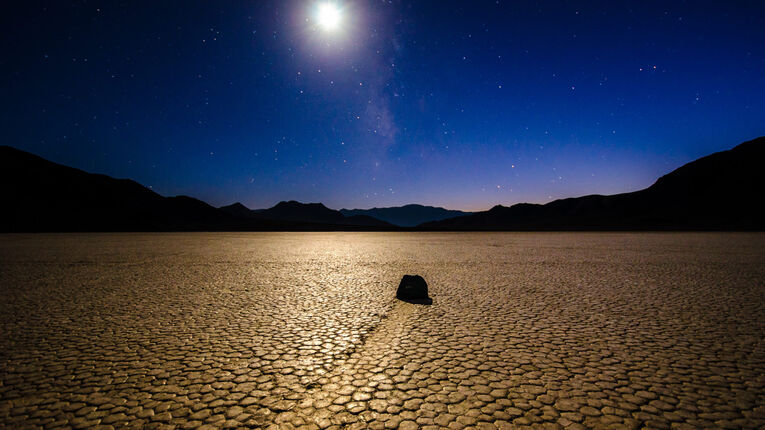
<point x="302" y="329"/>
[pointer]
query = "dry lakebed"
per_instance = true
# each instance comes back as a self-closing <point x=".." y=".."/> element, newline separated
<point x="302" y="330"/>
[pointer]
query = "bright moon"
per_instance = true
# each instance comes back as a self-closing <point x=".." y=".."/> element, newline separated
<point x="328" y="16"/>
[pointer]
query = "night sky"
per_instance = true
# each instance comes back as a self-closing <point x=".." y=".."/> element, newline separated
<point x="463" y="104"/>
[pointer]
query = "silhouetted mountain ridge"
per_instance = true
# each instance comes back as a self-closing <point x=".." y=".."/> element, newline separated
<point x="316" y="213"/>
<point x="719" y="192"/>
<point x="407" y="215"/>
<point x="44" y="196"/>
<point x="237" y="209"/>
<point x="40" y="195"/>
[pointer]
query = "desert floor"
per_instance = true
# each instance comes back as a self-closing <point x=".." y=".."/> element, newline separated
<point x="208" y="330"/>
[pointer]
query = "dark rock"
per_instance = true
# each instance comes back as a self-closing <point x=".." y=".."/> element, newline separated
<point x="412" y="287"/>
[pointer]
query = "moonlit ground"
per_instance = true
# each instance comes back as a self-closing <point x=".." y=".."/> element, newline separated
<point x="301" y="329"/>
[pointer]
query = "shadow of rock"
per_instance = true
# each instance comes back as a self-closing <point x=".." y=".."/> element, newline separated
<point x="426" y="301"/>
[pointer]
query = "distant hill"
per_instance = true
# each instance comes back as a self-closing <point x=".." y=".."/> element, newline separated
<point x="296" y="212"/>
<point x="39" y="195"/>
<point x="722" y="191"/>
<point x="408" y="215"/>
<point x="239" y="210"/>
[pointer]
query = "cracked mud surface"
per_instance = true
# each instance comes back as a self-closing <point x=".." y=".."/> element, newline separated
<point x="558" y="330"/>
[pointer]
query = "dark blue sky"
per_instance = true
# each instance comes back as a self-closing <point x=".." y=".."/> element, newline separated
<point x="462" y="104"/>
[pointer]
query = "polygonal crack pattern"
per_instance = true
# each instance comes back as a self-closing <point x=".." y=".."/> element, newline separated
<point x="301" y="330"/>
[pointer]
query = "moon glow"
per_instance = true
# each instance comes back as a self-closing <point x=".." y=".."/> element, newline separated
<point x="328" y="16"/>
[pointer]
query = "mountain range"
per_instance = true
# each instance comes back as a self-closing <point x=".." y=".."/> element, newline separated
<point x="407" y="215"/>
<point x="721" y="191"/>
<point x="40" y="195"/>
<point x="305" y="213"/>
